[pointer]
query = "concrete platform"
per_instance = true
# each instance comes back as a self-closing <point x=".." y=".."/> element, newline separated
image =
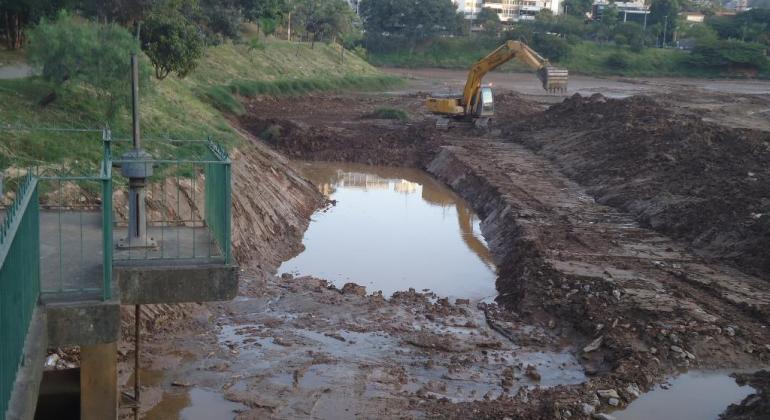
<point x="71" y="252"/>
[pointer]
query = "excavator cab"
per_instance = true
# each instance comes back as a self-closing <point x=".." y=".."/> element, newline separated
<point x="485" y="103"/>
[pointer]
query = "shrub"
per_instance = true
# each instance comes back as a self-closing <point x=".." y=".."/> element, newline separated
<point x="388" y="114"/>
<point x="618" y="61"/>
<point x="728" y="54"/>
<point x="223" y="100"/>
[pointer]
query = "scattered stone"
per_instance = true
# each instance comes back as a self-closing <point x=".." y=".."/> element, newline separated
<point x="613" y="402"/>
<point x="551" y="324"/>
<point x="677" y="349"/>
<point x="181" y="384"/>
<point x="607" y="393"/>
<point x="730" y="331"/>
<point x="634" y="390"/>
<point x="532" y="373"/>
<point x="462" y="301"/>
<point x="287" y="276"/>
<point x="353" y="289"/>
<point x="602" y="416"/>
<point x="588" y="409"/>
<point x="594" y="345"/>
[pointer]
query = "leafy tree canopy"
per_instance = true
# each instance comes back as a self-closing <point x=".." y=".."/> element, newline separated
<point x="71" y="52"/>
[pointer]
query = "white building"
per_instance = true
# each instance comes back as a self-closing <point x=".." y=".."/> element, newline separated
<point x="509" y="10"/>
<point x="470" y="8"/>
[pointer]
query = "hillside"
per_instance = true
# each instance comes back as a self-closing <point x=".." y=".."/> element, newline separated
<point x="194" y="107"/>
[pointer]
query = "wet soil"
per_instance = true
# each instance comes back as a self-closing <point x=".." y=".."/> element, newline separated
<point x="757" y="405"/>
<point x="612" y="303"/>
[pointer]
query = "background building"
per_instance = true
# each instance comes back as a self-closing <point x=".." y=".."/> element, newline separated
<point x="509" y="10"/>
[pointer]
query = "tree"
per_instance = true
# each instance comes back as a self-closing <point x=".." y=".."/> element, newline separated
<point x="664" y="12"/>
<point x="172" y="42"/>
<point x="489" y="21"/>
<point x="577" y="7"/>
<point x="409" y="21"/>
<point x="71" y="53"/>
<point x="17" y="15"/>
<point x="322" y="18"/>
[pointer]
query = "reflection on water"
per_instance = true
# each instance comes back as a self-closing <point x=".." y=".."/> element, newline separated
<point x="197" y="404"/>
<point x="392" y="229"/>
<point x="690" y="396"/>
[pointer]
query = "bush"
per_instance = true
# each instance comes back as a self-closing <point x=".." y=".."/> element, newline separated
<point x="618" y="61"/>
<point x="728" y="54"/>
<point x="223" y="100"/>
<point x="550" y="46"/>
<point x="388" y="114"/>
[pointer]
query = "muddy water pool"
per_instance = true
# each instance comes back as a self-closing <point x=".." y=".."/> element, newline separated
<point x="695" y="395"/>
<point x="393" y="229"/>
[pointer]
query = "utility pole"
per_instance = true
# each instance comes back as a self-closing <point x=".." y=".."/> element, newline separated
<point x="665" y="29"/>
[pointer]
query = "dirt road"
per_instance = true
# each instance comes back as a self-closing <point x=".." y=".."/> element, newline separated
<point x="596" y="304"/>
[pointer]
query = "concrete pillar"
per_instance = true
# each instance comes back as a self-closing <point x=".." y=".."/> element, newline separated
<point x="99" y="382"/>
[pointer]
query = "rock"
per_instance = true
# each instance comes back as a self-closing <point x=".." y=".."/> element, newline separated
<point x="532" y="373"/>
<point x="634" y="390"/>
<point x="607" y="393"/>
<point x="51" y="360"/>
<point x="602" y="416"/>
<point x="677" y="349"/>
<point x="354" y="289"/>
<point x="616" y="293"/>
<point x="594" y="345"/>
<point x="462" y="301"/>
<point x="588" y="409"/>
<point x="613" y="402"/>
<point x="689" y="355"/>
<point x="551" y="324"/>
<point x="730" y="331"/>
<point x="287" y="276"/>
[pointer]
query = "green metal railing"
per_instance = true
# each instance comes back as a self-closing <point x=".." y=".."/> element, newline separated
<point x="218" y="198"/>
<point x="188" y="211"/>
<point x="77" y="241"/>
<point x="19" y="281"/>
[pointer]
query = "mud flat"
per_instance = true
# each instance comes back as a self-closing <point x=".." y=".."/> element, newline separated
<point x="595" y="306"/>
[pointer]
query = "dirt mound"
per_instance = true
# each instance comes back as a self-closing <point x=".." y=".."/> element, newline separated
<point x="692" y="180"/>
<point x="366" y="142"/>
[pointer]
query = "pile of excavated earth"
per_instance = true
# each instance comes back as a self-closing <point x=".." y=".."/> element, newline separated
<point x="629" y="241"/>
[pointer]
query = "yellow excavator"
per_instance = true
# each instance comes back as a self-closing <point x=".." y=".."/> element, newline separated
<point x="477" y="103"/>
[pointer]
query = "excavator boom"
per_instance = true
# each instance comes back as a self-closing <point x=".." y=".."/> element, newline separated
<point x="554" y="79"/>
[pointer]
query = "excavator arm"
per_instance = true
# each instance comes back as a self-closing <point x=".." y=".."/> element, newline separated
<point x="554" y="79"/>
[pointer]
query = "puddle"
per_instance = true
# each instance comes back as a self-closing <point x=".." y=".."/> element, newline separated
<point x="690" y="396"/>
<point x="393" y="229"/>
<point x="196" y="404"/>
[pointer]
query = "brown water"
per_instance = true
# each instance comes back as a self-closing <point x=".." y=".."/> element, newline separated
<point x="393" y="229"/>
<point x="690" y="396"/>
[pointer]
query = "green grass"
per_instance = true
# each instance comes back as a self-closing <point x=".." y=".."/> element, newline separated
<point x="190" y="108"/>
<point x="388" y="114"/>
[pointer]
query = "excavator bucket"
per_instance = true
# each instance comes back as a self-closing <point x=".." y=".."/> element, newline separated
<point x="554" y="78"/>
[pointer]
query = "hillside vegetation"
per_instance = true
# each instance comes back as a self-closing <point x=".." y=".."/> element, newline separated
<point x="583" y="57"/>
<point x="194" y="107"/>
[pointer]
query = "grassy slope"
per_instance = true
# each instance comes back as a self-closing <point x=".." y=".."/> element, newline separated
<point x="584" y="58"/>
<point x="177" y="108"/>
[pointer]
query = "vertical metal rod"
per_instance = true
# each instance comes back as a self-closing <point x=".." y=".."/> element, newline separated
<point x="136" y="361"/>
<point x="135" y="100"/>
